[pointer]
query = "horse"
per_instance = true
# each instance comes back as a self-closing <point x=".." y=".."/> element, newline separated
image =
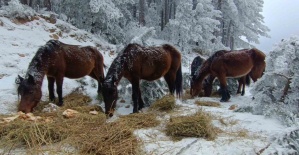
<point x="57" y="60"/>
<point x="231" y="64"/>
<point x="136" y="62"/>
<point x="207" y="83"/>
<point x="242" y="81"/>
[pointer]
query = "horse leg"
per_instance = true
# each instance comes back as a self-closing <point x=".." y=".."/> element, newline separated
<point x="224" y="92"/>
<point x="239" y="87"/>
<point x="170" y="80"/>
<point x="241" y="82"/>
<point x="93" y="75"/>
<point x="141" y="103"/>
<point x="208" y="85"/>
<point x="51" y="81"/>
<point x="59" y="82"/>
<point x="135" y="94"/>
<point x="243" y="90"/>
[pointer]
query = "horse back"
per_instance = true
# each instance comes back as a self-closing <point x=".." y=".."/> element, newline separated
<point x="149" y="63"/>
<point x="232" y="64"/>
<point x="74" y="61"/>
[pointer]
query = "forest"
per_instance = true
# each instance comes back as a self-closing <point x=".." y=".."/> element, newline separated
<point x="194" y="27"/>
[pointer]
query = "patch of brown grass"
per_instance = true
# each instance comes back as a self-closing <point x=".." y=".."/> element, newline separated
<point x="166" y="103"/>
<point x="197" y="125"/>
<point x="207" y="103"/>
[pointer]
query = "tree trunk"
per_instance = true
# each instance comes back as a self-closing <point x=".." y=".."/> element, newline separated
<point x="166" y="12"/>
<point x="162" y="20"/>
<point x="228" y="35"/>
<point x="194" y="3"/>
<point x="48" y="5"/>
<point x="141" y="12"/>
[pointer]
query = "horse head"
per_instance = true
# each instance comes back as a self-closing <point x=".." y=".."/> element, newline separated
<point x="195" y="89"/>
<point x="258" y="69"/>
<point x="110" y="96"/>
<point x="30" y="93"/>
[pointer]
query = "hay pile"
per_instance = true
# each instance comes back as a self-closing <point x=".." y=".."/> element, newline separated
<point x="166" y="103"/>
<point x="197" y="125"/>
<point x="87" y="133"/>
<point x="207" y="103"/>
<point x="140" y="120"/>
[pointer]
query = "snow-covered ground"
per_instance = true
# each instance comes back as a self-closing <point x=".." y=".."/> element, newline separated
<point x="19" y="42"/>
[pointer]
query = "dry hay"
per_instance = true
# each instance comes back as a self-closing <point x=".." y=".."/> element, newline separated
<point x="140" y="120"/>
<point x="207" y="103"/>
<point x="74" y="100"/>
<point x="197" y="125"/>
<point x="166" y="103"/>
<point x="111" y="138"/>
<point x="186" y="95"/>
<point x="88" y="134"/>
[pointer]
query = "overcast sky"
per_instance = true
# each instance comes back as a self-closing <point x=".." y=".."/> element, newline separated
<point x="282" y="17"/>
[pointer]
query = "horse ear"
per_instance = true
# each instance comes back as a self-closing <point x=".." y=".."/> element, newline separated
<point x="31" y="79"/>
<point x="19" y="79"/>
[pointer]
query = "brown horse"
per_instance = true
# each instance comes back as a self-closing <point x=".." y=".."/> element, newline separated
<point x="231" y="64"/>
<point x="242" y="81"/>
<point x="208" y="82"/>
<point x="57" y="60"/>
<point x="135" y="63"/>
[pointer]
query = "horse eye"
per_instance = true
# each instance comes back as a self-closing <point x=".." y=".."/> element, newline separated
<point x="31" y="92"/>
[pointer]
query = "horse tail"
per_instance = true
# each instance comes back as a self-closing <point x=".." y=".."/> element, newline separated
<point x="179" y="82"/>
<point x="247" y="80"/>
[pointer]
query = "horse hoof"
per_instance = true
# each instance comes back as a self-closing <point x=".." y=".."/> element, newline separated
<point x="224" y="100"/>
<point x="60" y="104"/>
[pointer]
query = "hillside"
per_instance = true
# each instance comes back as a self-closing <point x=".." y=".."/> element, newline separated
<point x="19" y="40"/>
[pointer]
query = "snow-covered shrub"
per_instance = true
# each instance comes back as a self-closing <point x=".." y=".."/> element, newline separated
<point x="288" y="143"/>
<point x="151" y="91"/>
<point x="15" y="9"/>
<point x="276" y="93"/>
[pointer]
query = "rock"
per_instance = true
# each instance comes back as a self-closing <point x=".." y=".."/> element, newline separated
<point x="94" y="112"/>
<point x="69" y="113"/>
<point x="233" y="107"/>
<point x="51" y="107"/>
<point x="9" y="119"/>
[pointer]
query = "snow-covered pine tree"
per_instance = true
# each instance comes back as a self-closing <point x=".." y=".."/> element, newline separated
<point x="193" y="25"/>
<point x="276" y="93"/>
<point x="240" y="20"/>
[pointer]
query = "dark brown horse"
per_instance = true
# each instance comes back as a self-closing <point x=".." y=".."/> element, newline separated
<point x="136" y="62"/>
<point x="57" y="60"/>
<point x="242" y="81"/>
<point x="231" y="64"/>
<point x="208" y="82"/>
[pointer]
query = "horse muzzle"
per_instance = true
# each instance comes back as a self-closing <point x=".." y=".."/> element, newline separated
<point x="110" y="113"/>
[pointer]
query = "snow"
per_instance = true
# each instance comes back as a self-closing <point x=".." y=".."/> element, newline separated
<point x="18" y="39"/>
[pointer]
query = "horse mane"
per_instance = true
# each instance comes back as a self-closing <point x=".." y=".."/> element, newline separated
<point x="169" y="47"/>
<point x="257" y="54"/>
<point x="117" y="64"/>
<point x="43" y="52"/>
<point x="194" y="65"/>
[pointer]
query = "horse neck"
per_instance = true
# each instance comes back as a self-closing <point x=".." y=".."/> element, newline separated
<point x="38" y="68"/>
<point x="115" y="72"/>
<point x="203" y="72"/>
